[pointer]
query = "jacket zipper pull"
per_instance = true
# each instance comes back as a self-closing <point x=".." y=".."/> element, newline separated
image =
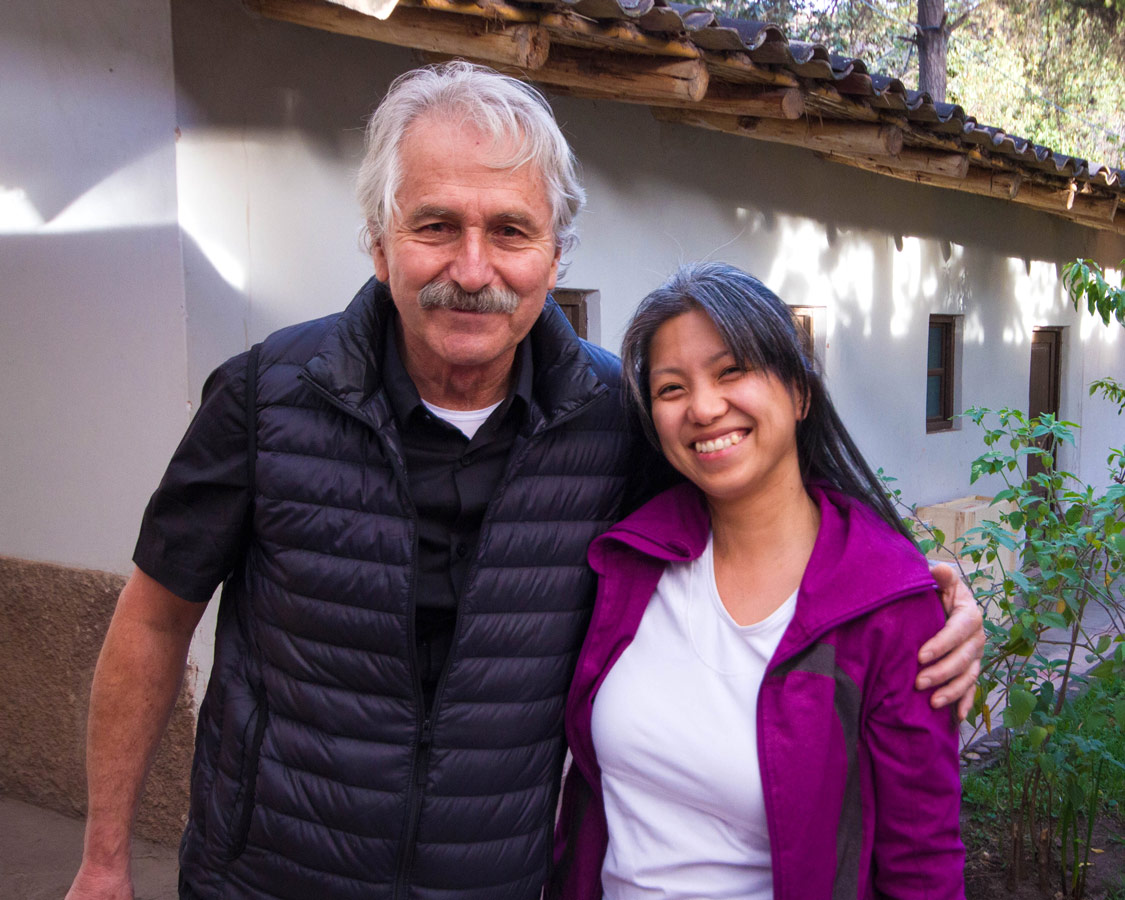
<point x="423" y="752"/>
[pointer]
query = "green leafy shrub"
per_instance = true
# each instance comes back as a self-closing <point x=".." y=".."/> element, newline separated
<point x="1070" y="540"/>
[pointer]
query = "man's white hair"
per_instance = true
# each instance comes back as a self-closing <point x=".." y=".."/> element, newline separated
<point x="512" y="114"/>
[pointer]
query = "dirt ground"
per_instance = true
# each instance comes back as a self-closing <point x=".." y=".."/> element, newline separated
<point x="985" y="877"/>
<point x="40" y="851"/>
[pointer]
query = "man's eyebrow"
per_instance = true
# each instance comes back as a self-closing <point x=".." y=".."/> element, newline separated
<point x="429" y="211"/>
<point x="508" y="217"/>
<point x="523" y="220"/>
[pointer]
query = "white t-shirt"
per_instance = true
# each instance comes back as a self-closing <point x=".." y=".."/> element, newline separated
<point x="674" y="727"/>
<point x="467" y="420"/>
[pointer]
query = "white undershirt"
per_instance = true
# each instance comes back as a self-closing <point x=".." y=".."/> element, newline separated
<point x="674" y="727"/>
<point x="466" y="420"/>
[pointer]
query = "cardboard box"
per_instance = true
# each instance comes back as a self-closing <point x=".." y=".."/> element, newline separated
<point x="955" y="517"/>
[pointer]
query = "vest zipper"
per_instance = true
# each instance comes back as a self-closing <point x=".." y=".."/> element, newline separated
<point x="421" y="760"/>
<point x="420" y="767"/>
<point x="414" y="796"/>
<point x="421" y="757"/>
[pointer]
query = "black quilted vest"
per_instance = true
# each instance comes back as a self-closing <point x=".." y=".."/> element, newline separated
<point x="316" y="775"/>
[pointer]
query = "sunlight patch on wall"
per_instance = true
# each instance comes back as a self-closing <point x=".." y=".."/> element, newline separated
<point x="913" y="289"/>
<point x="1092" y="328"/>
<point x="18" y="214"/>
<point x="850" y="282"/>
<point x="972" y="329"/>
<point x="1038" y="295"/>
<point x="256" y="200"/>
<point x="228" y="266"/>
<point x="133" y="196"/>
<point x="801" y="241"/>
<point x="211" y="177"/>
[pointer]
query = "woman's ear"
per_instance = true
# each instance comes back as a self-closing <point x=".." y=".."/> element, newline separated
<point x="803" y="400"/>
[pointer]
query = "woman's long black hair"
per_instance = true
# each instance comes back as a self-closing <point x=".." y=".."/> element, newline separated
<point x="759" y="330"/>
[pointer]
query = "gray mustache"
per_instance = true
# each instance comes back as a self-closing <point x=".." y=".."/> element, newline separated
<point x="448" y="295"/>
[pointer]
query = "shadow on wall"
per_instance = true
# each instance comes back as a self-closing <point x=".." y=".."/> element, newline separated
<point x="52" y="624"/>
<point x="113" y="104"/>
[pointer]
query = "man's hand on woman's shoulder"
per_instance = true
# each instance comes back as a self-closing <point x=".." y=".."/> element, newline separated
<point x="952" y="656"/>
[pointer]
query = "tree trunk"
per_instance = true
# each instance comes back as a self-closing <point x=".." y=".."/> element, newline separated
<point x="933" y="48"/>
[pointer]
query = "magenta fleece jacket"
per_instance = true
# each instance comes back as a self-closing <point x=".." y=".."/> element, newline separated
<point x="861" y="775"/>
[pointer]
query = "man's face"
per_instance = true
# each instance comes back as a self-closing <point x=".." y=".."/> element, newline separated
<point x="463" y="222"/>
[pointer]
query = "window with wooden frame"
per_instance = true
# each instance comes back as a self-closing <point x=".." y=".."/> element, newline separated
<point x="939" y="373"/>
<point x="575" y="303"/>
<point x="803" y="317"/>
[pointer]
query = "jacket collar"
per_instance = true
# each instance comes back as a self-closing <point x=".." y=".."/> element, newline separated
<point x="348" y="363"/>
<point x="857" y="563"/>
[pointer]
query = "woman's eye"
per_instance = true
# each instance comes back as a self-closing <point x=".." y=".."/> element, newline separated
<point x="666" y="390"/>
<point x="732" y="370"/>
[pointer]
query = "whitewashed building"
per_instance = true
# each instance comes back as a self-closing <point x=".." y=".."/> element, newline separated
<point x="176" y="183"/>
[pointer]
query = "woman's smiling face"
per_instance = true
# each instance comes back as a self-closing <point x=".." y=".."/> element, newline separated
<point x="731" y="431"/>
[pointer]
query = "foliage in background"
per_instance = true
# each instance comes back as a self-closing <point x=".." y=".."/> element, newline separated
<point x="1005" y="57"/>
<point x="1095" y="720"/>
<point x="1085" y="282"/>
<point x="1059" y="775"/>
<point x="1061" y="52"/>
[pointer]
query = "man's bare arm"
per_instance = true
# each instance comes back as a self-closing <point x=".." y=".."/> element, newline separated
<point x="952" y="656"/>
<point x="136" y="683"/>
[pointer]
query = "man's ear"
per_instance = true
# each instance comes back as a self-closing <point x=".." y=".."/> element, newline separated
<point x="379" y="257"/>
<point x="554" y="277"/>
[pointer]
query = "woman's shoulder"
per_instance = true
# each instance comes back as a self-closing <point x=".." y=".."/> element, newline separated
<point x="673" y="526"/>
<point x="859" y="560"/>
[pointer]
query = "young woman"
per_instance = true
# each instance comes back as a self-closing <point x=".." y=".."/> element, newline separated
<point x="743" y="718"/>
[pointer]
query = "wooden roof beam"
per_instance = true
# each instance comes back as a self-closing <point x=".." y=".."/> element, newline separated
<point x="523" y="45"/>
<point x="950" y="172"/>
<point x="604" y="76"/>
<point x="1097" y="212"/>
<point x="950" y="168"/>
<point x="826" y="100"/>
<point x="769" y="103"/>
<point x="847" y="137"/>
<point x="826" y="135"/>
<point x="1069" y="201"/>
<point x="571" y="28"/>
<point x="738" y="68"/>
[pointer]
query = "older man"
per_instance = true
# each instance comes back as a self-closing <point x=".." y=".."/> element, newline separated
<point x="399" y="500"/>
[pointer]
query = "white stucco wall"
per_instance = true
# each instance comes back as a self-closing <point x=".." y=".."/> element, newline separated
<point x="92" y="338"/>
<point x="270" y="141"/>
<point x="108" y="332"/>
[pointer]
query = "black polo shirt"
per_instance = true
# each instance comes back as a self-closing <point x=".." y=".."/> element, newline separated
<point x="451" y="480"/>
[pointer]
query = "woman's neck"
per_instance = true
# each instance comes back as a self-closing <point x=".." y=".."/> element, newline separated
<point x="762" y="545"/>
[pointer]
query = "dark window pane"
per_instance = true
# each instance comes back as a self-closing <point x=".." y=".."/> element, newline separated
<point x="933" y="396"/>
<point x="933" y="355"/>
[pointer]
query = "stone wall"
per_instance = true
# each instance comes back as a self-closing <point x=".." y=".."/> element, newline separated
<point x="52" y="623"/>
